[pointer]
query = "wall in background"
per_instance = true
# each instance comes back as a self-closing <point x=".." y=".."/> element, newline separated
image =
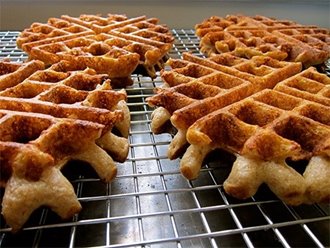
<point x="18" y="14"/>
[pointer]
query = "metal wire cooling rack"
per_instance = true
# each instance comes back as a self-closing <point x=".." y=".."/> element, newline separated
<point x="150" y="204"/>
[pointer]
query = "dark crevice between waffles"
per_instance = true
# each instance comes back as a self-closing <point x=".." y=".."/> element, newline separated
<point x="151" y="70"/>
<point x="324" y="67"/>
<point x="299" y="165"/>
<point x="141" y="69"/>
<point x="77" y="169"/>
<point x="167" y="127"/>
<point x="118" y="83"/>
<point x="219" y="158"/>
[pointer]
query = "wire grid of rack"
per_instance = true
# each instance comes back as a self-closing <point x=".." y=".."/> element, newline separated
<point x="150" y="204"/>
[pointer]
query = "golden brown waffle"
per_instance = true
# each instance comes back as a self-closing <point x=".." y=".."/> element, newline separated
<point x="115" y="45"/>
<point x="266" y="131"/>
<point x="53" y="116"/>
<point x="267" y="115"/>
<point x="201" y="86"/>
<point x="246" y="36"/>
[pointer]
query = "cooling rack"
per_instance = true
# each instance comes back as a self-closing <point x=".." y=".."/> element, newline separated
<point x="150" y="204"/>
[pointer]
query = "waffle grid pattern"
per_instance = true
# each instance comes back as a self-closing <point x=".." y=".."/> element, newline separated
<point x="150" y="204"/>
<point x="113" y="44"/>
<point x="248" y="36"/>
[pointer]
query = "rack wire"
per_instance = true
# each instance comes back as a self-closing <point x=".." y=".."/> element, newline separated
<point x="150" y="204"/>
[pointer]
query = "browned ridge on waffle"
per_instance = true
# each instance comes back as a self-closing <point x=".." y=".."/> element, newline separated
<point x="264" y="111"/>
<point x="115" y="44"/>
<point x="12" y="73"/>
<point x="247" y="36"/>
<point x="53" y="116"/>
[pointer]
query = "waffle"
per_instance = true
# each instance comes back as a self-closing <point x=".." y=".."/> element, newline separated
<point x="270" y="115"/>
<point x="195" y="87"/>
<point x="56" y="115"/>
<point x="250" y="36"/>
<point x="114" y="45"/>
<point x="268" y="130"/>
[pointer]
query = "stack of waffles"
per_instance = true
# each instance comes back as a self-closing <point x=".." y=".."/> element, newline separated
<point x="49" y="116"/>
<point x="115" y="45"/>
<point x="247" y="36"/>
<point x="264" y="111"/>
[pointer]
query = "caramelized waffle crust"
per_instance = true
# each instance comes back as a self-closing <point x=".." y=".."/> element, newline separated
<point x="53" y="116"/>
<point x="246" y="36"/>
<point x="114" y="44"/>
<point x="264" y="111"/>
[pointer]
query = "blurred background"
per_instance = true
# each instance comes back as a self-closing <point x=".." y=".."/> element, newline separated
<point x="18" y="14"/>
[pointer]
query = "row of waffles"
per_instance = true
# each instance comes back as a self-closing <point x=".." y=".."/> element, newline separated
<point x="61" y="105"/>
<point x="63" y="108"/>
<point x="255" y="97"/>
